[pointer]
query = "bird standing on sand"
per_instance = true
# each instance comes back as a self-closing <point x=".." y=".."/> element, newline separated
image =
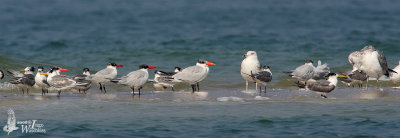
<point x="325" y="86"/>
<point x="263" y="77"/>
<point x="26" y="81"/>
<point x="41" y="80"/>
<point x="105" y="75"/>
<point x="163" y="79"/>
<point x="193" y="74"/>
<point x="82" y="79"/>
<point x="303" y="72"/>
<point x="395" y="77"/>
<point x="354" y="77"/>
<point x="135" y="79"/>
<point x="250" y="64"/>
<point x="371" y="61"/>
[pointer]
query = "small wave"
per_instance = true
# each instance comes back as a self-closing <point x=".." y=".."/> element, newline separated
<point x="261" y="98"/>
<point x="230" y="99"/>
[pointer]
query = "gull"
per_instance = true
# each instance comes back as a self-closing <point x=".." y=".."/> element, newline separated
<point x="373" y="63"/>
<point x="395" y="77"/>
<point x="250" y="64"/>
<point x="25" y="81"/>
<point x="1" y="74"/>
<point x="263" y="77"/>
<point x="325" y="86"/>
<point x="164" y="79"/>
<point x="135" y="79"/>
<point x="11" y="122"/>
<point x="105" y="75"/>
<point x="193" y="74"/>
<point x="41" y="80"/>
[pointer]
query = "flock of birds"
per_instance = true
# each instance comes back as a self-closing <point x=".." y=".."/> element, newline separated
<point x="24" y="79"/>
<point x="368" y="62"/>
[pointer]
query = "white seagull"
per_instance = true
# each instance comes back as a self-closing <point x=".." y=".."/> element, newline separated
<point x="41" y="80"/>
<point x="373" y="62"/>
<point x="395" y="77"/>
<point x="325" y="86"/>
<point x="263" y="77"/>
<point x="250" y="64"/>
<point x="11" y="122"/>
<point x="105" y="75"/>
<point x="135" y="79"/>
<point x="193" y="74"/>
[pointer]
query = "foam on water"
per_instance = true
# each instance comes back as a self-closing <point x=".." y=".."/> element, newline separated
<point x="230" y="99"/>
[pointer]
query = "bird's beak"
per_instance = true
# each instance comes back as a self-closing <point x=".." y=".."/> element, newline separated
<point x="44" y="74"/>
<point x="151" y="67"/>
<point x="22" y="70"/>
<point x="118" y="65"/>
<point x="210" y="64"/>
<point x="245" y="55"/>
<point x="341" y="76"/>
<point x="63" y="69"/>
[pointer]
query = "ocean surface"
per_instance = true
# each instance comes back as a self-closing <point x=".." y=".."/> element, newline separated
<point x="169" y="33"/>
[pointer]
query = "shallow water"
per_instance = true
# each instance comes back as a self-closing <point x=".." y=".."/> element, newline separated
<point x="346" y="113"/>
<point x="177" y="33"/>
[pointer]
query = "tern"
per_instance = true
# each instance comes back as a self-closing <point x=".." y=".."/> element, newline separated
<point x="321" y="71"/>
<point x="193" y="74"/>
<point x="58" y="81"/>
<point x="354" y="77"/>
<point x="83" y="79"/>
<point x="41" y="80"/>
<point x="135" y="79"/>
<point x="163" y="79"/>
<point x="324" y="86"/>
<point x="263" y="77"/>
<point x="26" y="81"/>
<point x="105" y="75"/>
<point x="250" y="64"/>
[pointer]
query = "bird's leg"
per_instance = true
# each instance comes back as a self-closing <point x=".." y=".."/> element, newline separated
<point x="265" y="89"/>
<point x="133" y="91"/>
<point x="140" y="88"/>
<point x="104" y="88"/>
<point x="193" y="88"/>
<point x="47" y="90"/>
<point x="377" y="83"/>
<point x="172" y="88"/>
<point x="260" y="90"/>
<point x="324" y="96"/>
<point x="101" y="88"/>
<point x="247" y="85"/>
<point x="198" y="86"/>
<point x="27" y="91"/>
<point x="256" y="86"/>
<point x="79" y="90"/>
<point x="59" y="93"/>
<point x="366" y="86"/>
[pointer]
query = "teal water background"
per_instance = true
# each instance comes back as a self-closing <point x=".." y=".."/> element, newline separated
<point x="166" y="33"/>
